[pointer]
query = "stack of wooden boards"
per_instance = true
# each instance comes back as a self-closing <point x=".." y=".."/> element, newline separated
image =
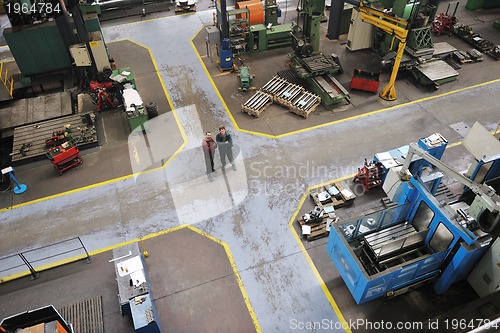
<point x="328" y="198"/>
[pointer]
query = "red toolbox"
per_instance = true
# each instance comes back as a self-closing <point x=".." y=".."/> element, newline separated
<point x="366" y="81"/>
<point x="64" y="157"/>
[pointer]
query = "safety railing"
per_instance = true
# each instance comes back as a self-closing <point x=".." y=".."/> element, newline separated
<point x="7" y="80"/>
<point x="32" y="262"/>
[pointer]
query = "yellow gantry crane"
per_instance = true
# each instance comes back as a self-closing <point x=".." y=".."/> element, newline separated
<point x="399" y="29"/>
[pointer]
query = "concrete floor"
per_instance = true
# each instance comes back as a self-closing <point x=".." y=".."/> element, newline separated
<point x="250" y="209"/>
<point x="181" y="267"/>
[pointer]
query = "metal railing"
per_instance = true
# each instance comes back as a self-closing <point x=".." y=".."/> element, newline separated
<point x="32" y="262"/>
<point x="7" y="80"/>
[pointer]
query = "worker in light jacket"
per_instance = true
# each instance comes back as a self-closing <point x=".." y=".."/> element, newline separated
<point x="225" y="143"/>
<point x="209" y="147"/>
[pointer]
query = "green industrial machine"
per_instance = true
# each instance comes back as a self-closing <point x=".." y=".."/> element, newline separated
<point x="308" y="62"/>
<point x="39" y="48"/>
<point x="271" y="12"/>
<point x="415" y="17"/>
<point x="262" y="38"/>
<point x="246" y="79"/>
<point x="419" y="13"/>
<point x="246" y="37"/>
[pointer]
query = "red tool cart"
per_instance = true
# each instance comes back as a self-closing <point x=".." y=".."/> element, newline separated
<point x="366" y="81"/>
<point x="370" y="175"/>
<point x="64" y="157"/>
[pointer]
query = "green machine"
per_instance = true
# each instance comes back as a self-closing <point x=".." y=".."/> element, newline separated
<point x="418" y="54"/>
<point x="270" y="35"/>
<point x="39" y="48"/>
<point x="419" y="13"/>
<point x="246" y="37"/>
<point x="262" y="38"/>
<point x="308" y="62"/>
<point x="246" y="79"/>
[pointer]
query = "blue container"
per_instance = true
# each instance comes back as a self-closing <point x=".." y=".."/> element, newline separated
<point x="226" y="59"/>
<point x="226" y="44"/>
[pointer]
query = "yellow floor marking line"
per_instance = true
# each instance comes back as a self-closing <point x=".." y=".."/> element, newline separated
<point x="236" y="126"/>
<point x="322" y="284"/>
<point x="181" y="130"/>
<point x="150" y="236"/>
<point x="236" y="275"/>
<point x="306" y="254"/>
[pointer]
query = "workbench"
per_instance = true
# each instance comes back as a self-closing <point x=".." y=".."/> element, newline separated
<point x="34" y="135"/>
<point x="134" y="294"/>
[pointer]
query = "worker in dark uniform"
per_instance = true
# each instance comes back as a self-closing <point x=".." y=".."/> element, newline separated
<point x="209" y="147"/>
<point x="225" y="143"/>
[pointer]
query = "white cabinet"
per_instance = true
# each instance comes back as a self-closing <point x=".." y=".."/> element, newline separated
<point x="360" y="34"/>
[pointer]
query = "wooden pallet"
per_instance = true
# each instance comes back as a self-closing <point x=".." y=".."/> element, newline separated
<point x="286" y="96"/>
<point x="85" y="316"/>
<point x="297" y="106"/>
<point x="265" y="101"/>
<point x="318" y="230"/>
<point x="304" y="113"/>
<point x="335" y="202"/>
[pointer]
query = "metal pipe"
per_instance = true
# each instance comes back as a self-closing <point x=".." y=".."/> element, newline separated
<point x="262" y="102"/>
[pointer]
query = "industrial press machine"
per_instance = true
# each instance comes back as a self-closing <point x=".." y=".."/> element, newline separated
<point x="421" y="239"/>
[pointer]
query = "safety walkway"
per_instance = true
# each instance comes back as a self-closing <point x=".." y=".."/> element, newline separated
<point x="283" y="287"/>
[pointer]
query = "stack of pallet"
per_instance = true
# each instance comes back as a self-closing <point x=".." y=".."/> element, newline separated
<point x="292" y="96"/>
<point x="327" y="198"/>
